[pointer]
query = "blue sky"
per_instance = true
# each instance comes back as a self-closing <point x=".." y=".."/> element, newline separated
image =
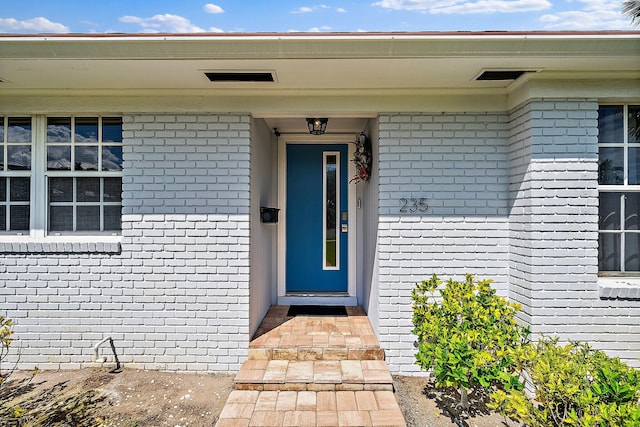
<point x="182" y="16"/>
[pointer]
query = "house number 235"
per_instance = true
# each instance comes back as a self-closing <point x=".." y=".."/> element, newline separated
<point x="413" y="205"/>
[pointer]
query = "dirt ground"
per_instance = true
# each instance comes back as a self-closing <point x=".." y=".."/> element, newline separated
<point x="423" y="406"/>
<point x="137" y="398"/>
<point x="130" y="398"/>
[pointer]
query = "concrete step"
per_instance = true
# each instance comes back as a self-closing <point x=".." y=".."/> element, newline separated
<point x="314" y="375"/>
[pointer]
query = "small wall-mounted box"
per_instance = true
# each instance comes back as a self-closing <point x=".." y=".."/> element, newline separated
<point x="269" y="215"/>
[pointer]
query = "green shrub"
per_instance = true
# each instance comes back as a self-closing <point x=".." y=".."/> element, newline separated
<point x="467" y="336"/>
<point x="574" y="386"/>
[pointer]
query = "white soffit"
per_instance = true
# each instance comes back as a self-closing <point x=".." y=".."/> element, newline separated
<point x="310" y="63"/>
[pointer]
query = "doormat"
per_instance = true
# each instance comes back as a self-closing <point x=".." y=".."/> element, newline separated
<point x="317" y="310"/>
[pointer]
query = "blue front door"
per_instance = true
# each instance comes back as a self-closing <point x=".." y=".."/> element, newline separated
<point x="317" y="218"/>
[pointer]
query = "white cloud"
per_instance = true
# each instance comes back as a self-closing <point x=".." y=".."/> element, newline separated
<point x="309" y="9"/>
<point x="163" y="23"/>
<point x="39" y="25"/>
<point x="494" y="6"/>
<point x="303" y="9"/>
<point x="215" y="30"/>
<point x="462" y="7"/>
<point x="424" y="5"/>
<point x="595" y="15"/>
<point x="319" y="29"/>
<point x="212" y="8"/>
<point x="341" y="10"/>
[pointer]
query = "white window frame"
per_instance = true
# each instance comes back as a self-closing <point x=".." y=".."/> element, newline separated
<point x="625" y="187"/>
<point x="74" y="174"/>
<point x="39" y="202"/>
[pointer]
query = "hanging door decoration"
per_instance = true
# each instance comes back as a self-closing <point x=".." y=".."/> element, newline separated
<point x="362" y="158"/>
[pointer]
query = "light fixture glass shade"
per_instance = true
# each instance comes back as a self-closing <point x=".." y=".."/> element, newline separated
<point x="317" y="126"/>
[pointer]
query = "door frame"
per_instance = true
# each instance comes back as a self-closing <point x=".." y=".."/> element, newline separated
<point x="350" y="297"/>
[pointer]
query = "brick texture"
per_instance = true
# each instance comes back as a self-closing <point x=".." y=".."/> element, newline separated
<point x="175" y="294"/>
<point x="459" y="164"/>
<point x="553" y="261"/>
<point x="512" y="197"/>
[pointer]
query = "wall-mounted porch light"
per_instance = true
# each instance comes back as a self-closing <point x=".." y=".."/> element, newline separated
<point x="317" y="126"/>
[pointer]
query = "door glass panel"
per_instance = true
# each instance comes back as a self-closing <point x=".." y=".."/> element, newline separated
<point x="331" y="241"/>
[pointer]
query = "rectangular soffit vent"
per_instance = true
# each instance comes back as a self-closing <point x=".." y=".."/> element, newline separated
<point x="239" y="76"/>
<point x="490" y="75"/>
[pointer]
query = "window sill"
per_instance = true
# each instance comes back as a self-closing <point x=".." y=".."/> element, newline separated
<point x="619" y="287"/>
<point x="60" y="245"/>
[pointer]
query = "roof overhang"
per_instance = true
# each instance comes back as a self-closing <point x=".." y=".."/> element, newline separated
<point x="358" y="61"/>
<point x="316" y="70"/>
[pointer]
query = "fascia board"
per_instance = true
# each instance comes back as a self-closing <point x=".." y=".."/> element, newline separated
<point x="348" y="46"/>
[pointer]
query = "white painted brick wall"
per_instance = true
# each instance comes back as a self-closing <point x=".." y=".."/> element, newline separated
<point x="176" y="297"/>
<point x="458" y="163"/>
<point x="553" y="228"/>
<point x="512" y="197"/>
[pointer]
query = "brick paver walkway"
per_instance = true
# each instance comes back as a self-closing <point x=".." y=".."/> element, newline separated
<point x="313" y="371"/>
